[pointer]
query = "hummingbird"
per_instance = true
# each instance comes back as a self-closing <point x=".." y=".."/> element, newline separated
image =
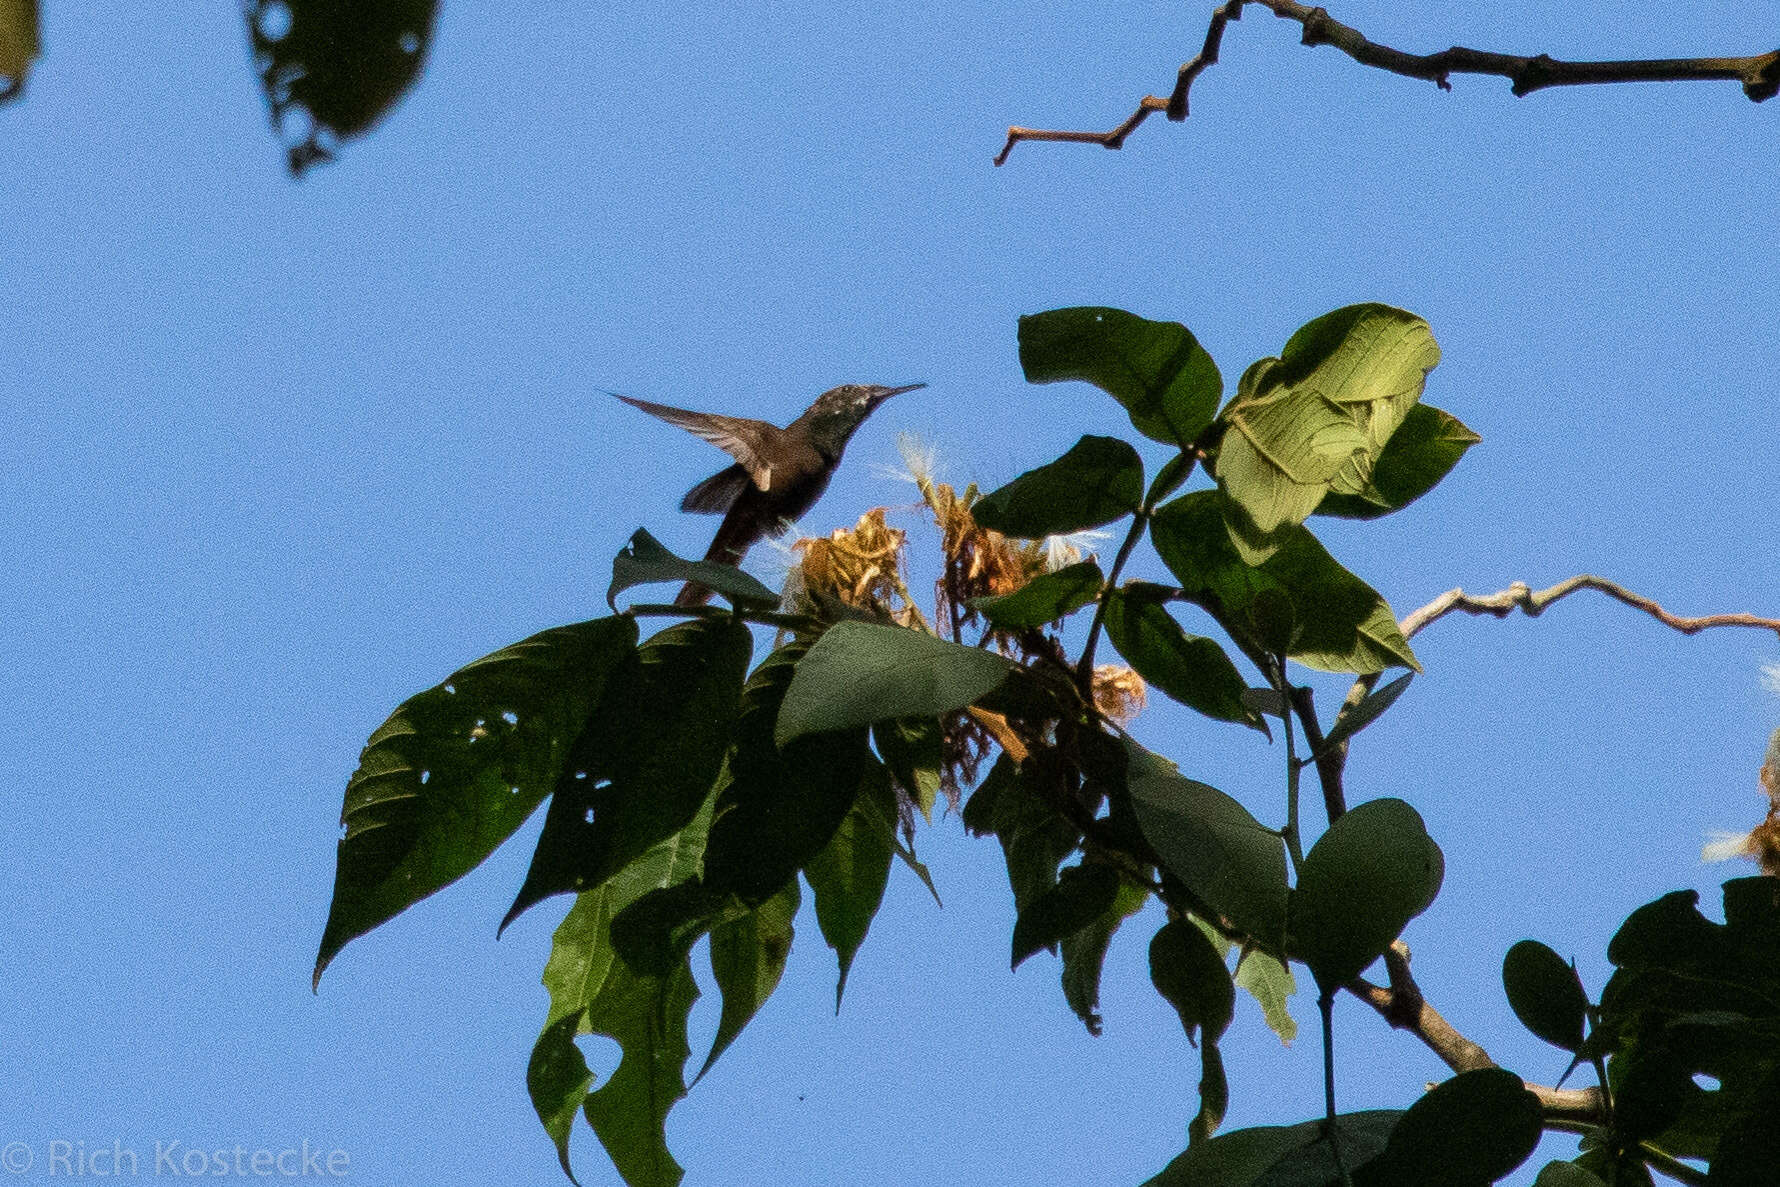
<point x="778" y="473"/>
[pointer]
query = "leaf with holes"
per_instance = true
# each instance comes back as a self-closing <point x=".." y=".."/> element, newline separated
<point x="1360" y="885"/>
<point x="1423" y="450"/>
<point x="339" y="65"/>
<point x="458" y="767"/>
<point x="1212" y="844"/>
<point x="1156" y="369"/>
<point x="1099" y="480"/>
<point x="1044" y="599"/>
<point x="591" y="992"/>
<point x="858" y="673"/>
<point x="644" y="561"/>
<point x="646" y="761"/>
<point x="1316" y="419"/>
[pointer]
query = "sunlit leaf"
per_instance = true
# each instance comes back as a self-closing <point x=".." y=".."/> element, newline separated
<point x="1360" y="884"/>
<point x="858" y="673"/>
<point x="1099" y="480"/>
<point x="331" y="69"/>
<point x="1425" y="447"/>
<point x="1156" y="369"/>
<point x="1044" y="599"/>
<point x="1270" y="982"/>
<point x="644" y="561"/>
<point x="458" y="767"/>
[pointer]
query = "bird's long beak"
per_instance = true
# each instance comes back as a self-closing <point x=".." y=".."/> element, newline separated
<point x="897" y="391"/>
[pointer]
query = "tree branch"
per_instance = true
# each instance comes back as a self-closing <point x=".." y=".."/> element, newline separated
<point x="1759" y="73"/>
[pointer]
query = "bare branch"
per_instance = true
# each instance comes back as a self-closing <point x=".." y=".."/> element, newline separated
<point x="1759" y="73"/>
<point x="1519" y="596"/>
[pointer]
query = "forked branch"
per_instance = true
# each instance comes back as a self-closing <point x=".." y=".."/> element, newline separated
<point x="1759" y="73"/>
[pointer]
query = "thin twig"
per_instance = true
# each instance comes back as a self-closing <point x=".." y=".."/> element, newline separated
<point x="1759" y="73"/>
<point x="1519" y="597"/>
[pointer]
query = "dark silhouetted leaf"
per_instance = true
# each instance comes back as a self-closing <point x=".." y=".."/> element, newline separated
<point x="646" y="761"/>
<point x="1044" y="599"/>
<point x="1190" y="975"/>
<point x="1156" y="369"/>
<point x="1081" y="896"/>
<point x="1214" y="1094"/>
<point x="912" y="748"/>
<point x="458" y="767"/>
<point x="19" y="45"/>
<point x="1567" y="1174"/>
<point x="848" y="877"/>
<point x="644" y="561"/>
<point x="1191" y="669"/>
<point x="1280" y="1155"/>
<point x="1423" y="450"/>
<point x="1034" y="836"/>
<point x="654" y="933"/>
<point x="748" y="956"/>
<point x="1338" y="623"/>
<point x="332" y="68"/>
<point x="1361" y="883"/>
<point x="1468" y="1132"/>
<point x="1212" y="844"/>
<point x="1084" y="953"/>
<point x="1315" y="420"/>
<point x="858" y="673"/>
<point x="1545" y="993"/>
<point x="1099" y="480"/>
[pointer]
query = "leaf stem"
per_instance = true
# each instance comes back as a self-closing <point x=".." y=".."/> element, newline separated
<point x="1276" y="675"/>
<point x="787" y="622"/>
<point x="1325" y="1004"/>
<point x="1084" y="668"/>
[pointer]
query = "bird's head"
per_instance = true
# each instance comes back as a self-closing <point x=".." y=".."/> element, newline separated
<point x="839" y="411"/>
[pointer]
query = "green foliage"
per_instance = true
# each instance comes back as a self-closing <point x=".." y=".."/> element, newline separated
<point x="1099" y="480"/>
<point x="1082" y="895"/>
<point x="1545" y="993"/>
<point x="19" y="45"/>
<point x="1468" y="1132"/>
<point x="1190" y="668"/>
<point x="1156" y="369"/>
<point x="644" y="562"/>
<point x="1423" y="450"/>
<point x="849" y="875"/>
<point x="1044" y="599"/>
<point x="342" y="62"/>
<point x="1280" y="1155"/>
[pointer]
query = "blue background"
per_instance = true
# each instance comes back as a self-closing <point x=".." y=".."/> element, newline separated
<point x="277" y="455"/>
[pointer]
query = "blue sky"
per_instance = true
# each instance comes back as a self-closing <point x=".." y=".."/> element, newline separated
<point x="278" y="455"/>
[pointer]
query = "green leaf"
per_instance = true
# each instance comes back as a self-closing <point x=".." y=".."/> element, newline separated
<point x="1279" y="1155"/>
<point x="644" y="561"/>
<point x="1044" y="599"/>
<point x="654" y="934"/>
<point x="1099" y="480"/>
<point x="1567" y="1174"/>
<point x="1270" y="982"/>
<point x="458" y="767"/>
<point x="1338" y="622"/>
<point x="1423" y="450"/>
<point x="1084" y="954"/>
<point x="594" y="992"/>
<point x="859" y="673"/>
<point x="1034" y="837"/>
<point x="1082" y="895"/>
<point x="1212" y="844"/>
<point x="1191" y="669"/>
<point x="1545" y="994"/>
<point x="19" y="45"/>
<point x="912" y="748"/>
<point x="1360" y="885"/>
<point x="748" y="957"/>
<point x="1468" y="1132"/>
<point x="1190" y="975"/>
<point x="1371" y="707"/>
<point x="345" y="65"/>
<point x="849" y="876"/>
<point x="646" y="761"/>
<point x="1316" y="419"/>
<point x="781" y="805"/>
<point x="1156" y="369"/>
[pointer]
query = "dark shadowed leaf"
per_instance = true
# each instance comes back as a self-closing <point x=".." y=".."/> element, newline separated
<point x="848" y="877"/>
<point x="781" y="805"/>
<point x="458" y="767"/>
<point x="1034" y="837"/>
<point x="655" y="932"/>
<point x="1212" y="844"/>
<point x="1044" y="599"/>
<point x="1156" y="369"/>
<point x="592" y="991"/>
<point x="644" y="561"/>
<point x="1338" y="622"/>
<point x="1468" y="1132"/>
<point x="1425" y="447"/>
<point x="858" y="673"/>
<point x="1279" y="1155"/>
<point x="1360" y="885"/>
<point x="1099" y="480"/>
<point x="1545" y="993"/>
<point x="1351" y="721"/>
<point x="1214" y="1093"/>
<point x="331" y="69"/>
<point x="19" y="45"/>
<point x="1567" y="1174"/>
<point x="912" y="748"/>
<point x="646" y="761"/>
<point x="748" y="957"/>
<point x="1190" y="975"/>
<point x="1082" y="895"/>
<point x="1191" y="669"/>
<point x="1315" y="420"/>
<point x="1084" y="953"/>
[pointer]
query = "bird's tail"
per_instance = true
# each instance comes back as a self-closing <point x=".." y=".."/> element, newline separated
<point x="734" y="538"/>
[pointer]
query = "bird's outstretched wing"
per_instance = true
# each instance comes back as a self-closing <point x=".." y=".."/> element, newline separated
<point x="718" y="493"/>
<point x="742" y="438"/>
